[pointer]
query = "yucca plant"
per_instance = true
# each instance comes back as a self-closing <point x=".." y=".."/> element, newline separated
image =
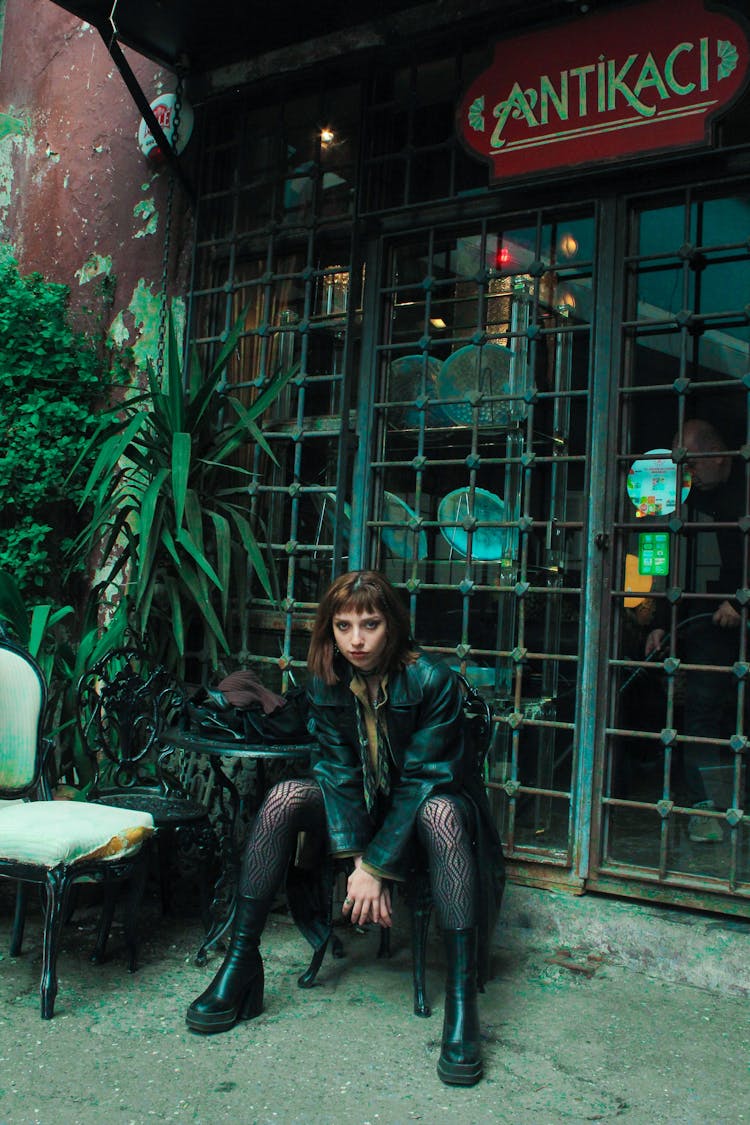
<point x="31" y="626"/>
<point x="169" y="502"/>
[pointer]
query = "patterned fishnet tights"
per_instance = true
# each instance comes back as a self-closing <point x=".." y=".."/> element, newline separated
<point x="296" y="805"/>
<point x="443" y="830"/>
<point x="292" y="806"/>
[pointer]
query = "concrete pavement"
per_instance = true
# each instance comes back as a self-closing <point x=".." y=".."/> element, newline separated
<point x="566" y="1039"/>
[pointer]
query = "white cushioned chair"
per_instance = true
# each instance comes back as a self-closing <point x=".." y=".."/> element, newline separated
<point x="54" y="844"/>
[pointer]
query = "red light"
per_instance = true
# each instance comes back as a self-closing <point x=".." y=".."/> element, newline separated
<point x="503" y="257"/>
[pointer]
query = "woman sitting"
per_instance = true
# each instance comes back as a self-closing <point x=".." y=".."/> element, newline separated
<point x="390" y="773"/>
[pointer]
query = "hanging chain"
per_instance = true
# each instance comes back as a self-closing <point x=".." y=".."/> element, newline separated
<point x="164" y="302"/>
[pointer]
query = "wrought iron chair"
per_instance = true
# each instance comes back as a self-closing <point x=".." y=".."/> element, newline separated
<point x="417" y="891"/>
<point x="124" y="706"/>
<point x="55" y="844"/>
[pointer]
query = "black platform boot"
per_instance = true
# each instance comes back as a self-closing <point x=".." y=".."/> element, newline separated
<point x="236" y="992"/>
<point x="460" y="1062"/>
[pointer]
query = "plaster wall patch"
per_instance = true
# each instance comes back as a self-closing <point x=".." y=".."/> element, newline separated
<point x="12" y="141"/>
<point x="95" y="266"/>
<point x="147" y="213"/>
<point x="145" y="305"/>
<point x="118" y="333"/>
<point x="11" y="126"/>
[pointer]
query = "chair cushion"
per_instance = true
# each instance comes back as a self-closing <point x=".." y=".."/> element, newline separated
<point x="46" y="833"/>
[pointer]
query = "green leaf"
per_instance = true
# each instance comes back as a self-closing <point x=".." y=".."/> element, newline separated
<point x="95" y="441"/>
<point x="176" y="619"/>
<point x="231" y="340"/>
<point x="212" y="651"/>
<point x="250" y="544"/>
<point x="94" y="645"/>
<point x="145" y="596"/>
<point x="194" y="520"/>
<point x="195" y="375"/>
<point x="161" y="415"/>
<point x="272" y="391"/>
<point x="59" y="615"/>
<point x="204" y="397"/>
<point x="192" y="581"/>
<point x="223" y="556"/>
<point x="185" y="541"/>
<point x="110" y="453"/>
<point x="250" y="430"/>
<point x="181" y="451"/>
<point x="175" y="389"/>
<point x="148" y="537"/>
<point x="12" y="608"/>
<point x="238" y="469"/>
<point x="40" y="615"/>
<point x="168" y="540"/>
<point x="227" y="443"/>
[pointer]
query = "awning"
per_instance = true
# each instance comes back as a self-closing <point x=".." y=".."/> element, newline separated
<point x="196" y="38"/>
<point x="204" y="36"/>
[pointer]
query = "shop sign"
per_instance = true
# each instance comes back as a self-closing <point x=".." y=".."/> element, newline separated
<point x="164" y="108"/>
<point x="652" y="484"/>
<point x="643" y="78"/>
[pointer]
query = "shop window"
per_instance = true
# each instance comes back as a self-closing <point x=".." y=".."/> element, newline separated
<point x="477" y="480"/>
<point x="275" y="246"/>
<point x="412" y="152"/>
<point x="677" y="724"/>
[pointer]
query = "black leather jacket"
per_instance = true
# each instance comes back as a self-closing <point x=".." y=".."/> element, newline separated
<point x="425" y="728"/>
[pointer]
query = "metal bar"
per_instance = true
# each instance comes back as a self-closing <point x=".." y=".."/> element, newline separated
<point x="147" y="113"/>
<point x="599" y="441"/>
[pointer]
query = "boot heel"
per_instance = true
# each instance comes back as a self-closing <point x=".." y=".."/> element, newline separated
<point x="252" y="1005"/>
<point x="459" y="1074"/>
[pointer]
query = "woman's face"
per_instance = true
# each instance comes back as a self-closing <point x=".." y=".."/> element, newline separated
<point x="361" y="638"/>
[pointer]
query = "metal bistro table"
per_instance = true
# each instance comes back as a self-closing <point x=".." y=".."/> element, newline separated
<point x="232" y="807"/>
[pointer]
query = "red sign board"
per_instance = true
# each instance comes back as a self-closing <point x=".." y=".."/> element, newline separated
<point x="643" y="78"/>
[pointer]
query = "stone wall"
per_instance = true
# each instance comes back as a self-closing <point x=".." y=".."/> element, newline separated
<point x="78" y="200"/>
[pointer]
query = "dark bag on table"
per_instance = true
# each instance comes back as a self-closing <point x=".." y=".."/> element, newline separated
<point x="242" y="709"/>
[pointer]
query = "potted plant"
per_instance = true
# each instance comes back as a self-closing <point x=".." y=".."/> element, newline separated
<point x="168" y="502"/>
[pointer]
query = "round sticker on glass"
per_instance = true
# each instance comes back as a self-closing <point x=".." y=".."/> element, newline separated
<point x="652" y="483"/>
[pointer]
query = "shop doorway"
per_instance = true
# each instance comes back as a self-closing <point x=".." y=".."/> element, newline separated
<point x="670" y="793"/>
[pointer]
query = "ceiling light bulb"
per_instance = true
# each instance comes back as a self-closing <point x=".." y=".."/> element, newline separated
<point x="568" y="245"/>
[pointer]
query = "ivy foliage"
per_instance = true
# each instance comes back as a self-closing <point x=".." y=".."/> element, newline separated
<point x="53" y="383"/>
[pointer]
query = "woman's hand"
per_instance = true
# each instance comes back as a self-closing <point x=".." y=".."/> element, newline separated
<point x="367" y="900"/>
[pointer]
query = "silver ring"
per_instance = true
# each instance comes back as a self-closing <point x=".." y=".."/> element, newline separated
<point x="347" y="901"/>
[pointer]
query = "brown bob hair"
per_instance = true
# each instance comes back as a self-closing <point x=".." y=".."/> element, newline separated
<point x="360" y="591"/>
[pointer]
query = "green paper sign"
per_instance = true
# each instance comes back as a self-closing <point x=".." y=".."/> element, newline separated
<point x="653" y="552"/>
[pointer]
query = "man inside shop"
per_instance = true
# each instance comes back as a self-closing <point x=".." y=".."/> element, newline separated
<point x="711" y="632"/>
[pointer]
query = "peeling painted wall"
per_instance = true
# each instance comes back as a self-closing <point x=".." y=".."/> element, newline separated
<point x="78" y="201"/>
